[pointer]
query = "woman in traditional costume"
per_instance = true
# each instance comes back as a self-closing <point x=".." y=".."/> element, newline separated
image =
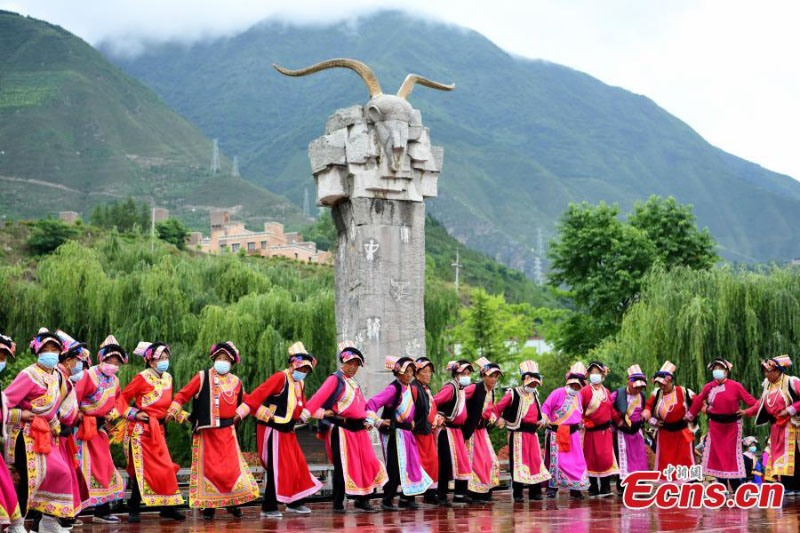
<point x="10" y="514"/>
<point x="35" y="399"/>
<point x="98" y="393"/>
<point x="277" y="405"/>
<point x="74" y="358"/>
<point x="220" y="476"/>
<point x="150" y="469"/>
<point x="564" y="458"/>
<point x="722" y="457"/>
<point x="629" y="445"/>
<point x="522" y="412"/>
<point x="339" y="402"/>
<point x="666" y="409"/>
<point x="780" y="407"/>
<point x="454" y="460"/>
<point x="396" y="422"/>
<point x="480" y="400"/>
<point x="427" y="424"/>
<point x="598" y="437"/>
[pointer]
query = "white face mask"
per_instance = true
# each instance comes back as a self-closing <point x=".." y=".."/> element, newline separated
<point x="571" y="391"/>
<point x="463" y="381"/>
<point x="530" y="390"/>
<point x="222" y="367"/>
<point x="596" y="379"/>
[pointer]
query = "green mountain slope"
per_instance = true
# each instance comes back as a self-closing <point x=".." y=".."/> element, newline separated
<point x="76" y="130"/>
<point x="522" y="138"/>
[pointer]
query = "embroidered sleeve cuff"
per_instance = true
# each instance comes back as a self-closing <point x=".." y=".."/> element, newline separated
<point x="263" y="414"/>
<point x="181" y="416"/>
<point x="243" y="410"/>
<point x="319" y="414"/>
<point x="174" y="409"/>
<point x="112" y="415"/>
<point x="792" y="410"/>
<point x="305" y="416"/>
<point x="131" y="413"/>
<point x="373" y="418"/>
<point x="14" y="416"/>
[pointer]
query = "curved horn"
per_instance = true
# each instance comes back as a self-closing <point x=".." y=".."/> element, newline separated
<point x="413" y="79"/>
<point x="363" y="70"/>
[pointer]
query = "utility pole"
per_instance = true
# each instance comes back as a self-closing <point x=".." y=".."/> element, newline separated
<point x="306" y="211"/>
<point x="235" y="169"/>
<point x="153" y="230"/>
<point x="458" y="266"/>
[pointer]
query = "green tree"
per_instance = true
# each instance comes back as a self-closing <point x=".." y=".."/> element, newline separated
<point x="48" y="234"/>
<point x="672" y="228"/>
<point x="173" y="231"/>
<point x="322" y="232"/>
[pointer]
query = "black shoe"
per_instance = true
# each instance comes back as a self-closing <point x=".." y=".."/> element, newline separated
<point x="208" y="514"/>
<point x="605" y="493"/>
<point x="389" y="506"/>
<point x="365" y="506"/>
<point x="551" y="493"/>
<point x="445" y="503"/>
<point x="133" y="517"/>
<point x="408" y="504"/>
<point x="235" y="512"/>
<point x="518" y="499"/>
<point x="173" y="514"/>
<point x="339" y="510"/>
<point x="458" y="498"/>
<point x="432" y="500"/>
<point x="594" y="492"/>
<point x="536" y="496"/>
<point x="575" y="495"/>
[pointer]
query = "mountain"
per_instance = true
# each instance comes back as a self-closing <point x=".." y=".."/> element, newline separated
<point x="76" y="130"/>
<point x="522" y="138"/>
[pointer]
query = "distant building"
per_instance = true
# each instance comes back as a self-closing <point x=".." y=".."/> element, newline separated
<point x="68" y="216"/>
<point x="228" y="236"/>
<point x="160" y="214"/>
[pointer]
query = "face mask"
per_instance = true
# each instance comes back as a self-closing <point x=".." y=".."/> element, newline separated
<point x="530" y="389"/>
<point x="108" y="369"/>
<point x="48" y="359"/>
<point x="77" y="369"/>
<point x="2" y="365"/>
<point x="222" y="367"/>
<point x="595" y="379"/>
<point x="753" y="449"/>
<point x="463" y="381"/>
<point x="76" y="377"/>
<point x="162" y="365"/>
<point x="571" y="391"/>
<point x="298" y="376"/>
<point x="718" y="374"/>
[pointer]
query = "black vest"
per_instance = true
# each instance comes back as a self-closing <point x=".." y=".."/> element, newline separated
<point x="474" y="406"/>
<point x="200" y="416"/>
<point x="763" y="417"/>
<point x="511" y="413"/>
<point x="448" y="408"/>
<point x="621" y="403"/>
<point x="422" y="408"/>
<point x="280" y="400"/>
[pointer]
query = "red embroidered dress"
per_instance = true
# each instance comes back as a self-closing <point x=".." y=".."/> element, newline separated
<point x="220" y="476"/>
<point x="97" y="397"/>
<point x="149" y="461"/>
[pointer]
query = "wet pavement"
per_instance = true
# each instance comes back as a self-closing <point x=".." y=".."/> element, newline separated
<point x="561" y="515"/>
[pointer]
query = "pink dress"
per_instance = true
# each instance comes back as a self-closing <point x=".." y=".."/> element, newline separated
<point x="485" y="466"/>
<point x="631" y="448"/>
<point x="413" y="479"/>
<point x="49" y="473"/>
<point x="97" y="397"/>
<point x="462" y="469"/>
<point x="722" y="455"/>
<point x="524" y="450"/>
<point x="363" y="471"/>
<point x="9" y="503"/>
<point x="563" y="453"/>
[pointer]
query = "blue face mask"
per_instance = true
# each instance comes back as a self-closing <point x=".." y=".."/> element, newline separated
<point x="298" y="376"/>
<point x="48" y="359"/>
<point x="76" y="377"/>
<point x="718" y="374"/>
<point x="162" y="366"/>
<point x="2" y="365"/>
<point x="463" y="381"/>
<point x="571" y="391"/>
<point x="77" y="369"/>
<point x="595" y="379"/>
<point x="222" y="367"/>
<point x="753" y="449"/>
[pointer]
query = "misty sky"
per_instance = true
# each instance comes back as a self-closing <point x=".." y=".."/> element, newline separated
<point x="729" y="68"/>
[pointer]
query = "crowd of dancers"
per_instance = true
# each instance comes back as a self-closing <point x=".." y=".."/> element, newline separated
<point x="61" y="414"/>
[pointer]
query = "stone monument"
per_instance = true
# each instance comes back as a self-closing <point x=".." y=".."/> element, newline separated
<point x="374" y="167"/>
